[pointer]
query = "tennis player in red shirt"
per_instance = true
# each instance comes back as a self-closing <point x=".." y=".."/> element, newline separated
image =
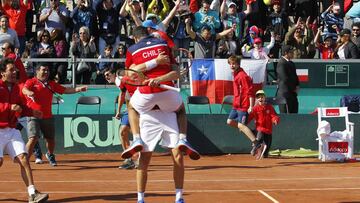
<point x="40" y="91"/>
<point x="12" y="106"/>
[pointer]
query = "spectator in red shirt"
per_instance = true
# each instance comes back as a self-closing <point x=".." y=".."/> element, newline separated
<point x="16" y="11"/>
<point x="327" y="47"/>
<point x="264" y="116"/>
<point x="12" y="106"/>
<point x="243" y="101"/>
<point x="40" y="91"/>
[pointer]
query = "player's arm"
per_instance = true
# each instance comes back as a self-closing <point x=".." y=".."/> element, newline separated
<point x="161" y="59"/>
<point x="71" y="90"/>
<point x="121" y="100"/>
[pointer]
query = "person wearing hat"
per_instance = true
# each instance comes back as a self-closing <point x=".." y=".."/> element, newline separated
<point x="258" y="52"/>
<point x="327" y="47"/>
<point x="264" y="116"/>
<point x="288" y="82"/>
<point x="332" y="19"/>
<point x="233" y="17"/>
<point x="346" y="48"/>
<point x="152" y="29"/>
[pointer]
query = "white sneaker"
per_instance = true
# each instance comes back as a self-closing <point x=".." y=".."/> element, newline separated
<point x="38" y="161"/>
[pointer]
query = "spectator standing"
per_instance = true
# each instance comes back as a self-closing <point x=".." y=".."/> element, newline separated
<point x="83" y="47"/>
<point x="346" y="49"/>
<point x="205" y="41"/>
<point x="259" y="52"/>
<point x="54" y="16"/>
<point x="208" y="17"/>
<point x="180" y="36"/>
<point x="84" y="15"/>
<point x="40" y="91"/>
<point x="154" y="8"/>
<point x="355" y="28"/>
<point x="13" y="106"/>
<point x="16" y="11"/>
<point x="288" y="82"/>
<point x="327" y="47"/>
<point x="299" y="37"/>
<point x="232" y="17"/>
<point x="227" y="46"/>
<point x="7" y="34"/>
<point x="61" y="50"/>
<point x="333" y="21"/>
<point x="108" y="25"/>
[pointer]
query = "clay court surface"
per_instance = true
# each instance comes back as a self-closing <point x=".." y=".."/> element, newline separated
<point x="228" y="178"/>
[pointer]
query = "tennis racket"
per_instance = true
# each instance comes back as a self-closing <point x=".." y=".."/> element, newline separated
<point x="136" y="78"/>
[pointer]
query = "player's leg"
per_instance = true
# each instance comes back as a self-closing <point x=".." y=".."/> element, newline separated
<point x="124" y="131"/>
<point x="17" y="151"/>
<point x="137" y="144"/>
<point x="141" y="174"/>
<point x="232" y="119"/>
<point x="179" y="171"/>
<point x="33" y="133"/>
<point x="48" y="129"/>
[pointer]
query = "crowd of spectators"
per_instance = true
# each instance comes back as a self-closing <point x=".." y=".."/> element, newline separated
<point x="255" y="29"/>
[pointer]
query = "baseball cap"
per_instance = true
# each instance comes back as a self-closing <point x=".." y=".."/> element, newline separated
<point x="150" y="24"/>
<point x="257" y="40"/>
<point x="135" y="1"/>
<point x="260" y="92"/>
<point x="286" y="49"/>
<point x="232" y="4"/>
<point x="254" y="30"/>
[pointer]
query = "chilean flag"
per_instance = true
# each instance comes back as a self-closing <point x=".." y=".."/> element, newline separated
<point x="213" y="77"/>
<point x="303" y="75"/>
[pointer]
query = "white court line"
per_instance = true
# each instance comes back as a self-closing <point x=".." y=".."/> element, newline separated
<point x="189" y="191"/>
<point x="189" y="180"/>
<point x="268" y="196"/>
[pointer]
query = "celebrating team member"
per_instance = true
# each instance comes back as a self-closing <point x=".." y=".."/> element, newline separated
<point x="143" y="57"/>
<point x="40" y="91"/>
<point x="11" y="107"/>
<point x="243" y="102"/>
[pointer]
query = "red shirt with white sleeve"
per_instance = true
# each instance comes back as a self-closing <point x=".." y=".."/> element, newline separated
<point x="243" y="90"/>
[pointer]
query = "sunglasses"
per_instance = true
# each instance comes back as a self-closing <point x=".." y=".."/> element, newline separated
<point x="3" y="48"/>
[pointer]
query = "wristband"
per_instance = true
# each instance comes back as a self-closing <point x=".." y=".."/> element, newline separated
<point x="151" y="64"/>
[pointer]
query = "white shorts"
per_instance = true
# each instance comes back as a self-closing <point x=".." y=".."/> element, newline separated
<point x="11" y="142"/>
<point x="158" y="125"/>
<point x="168" y="101"/>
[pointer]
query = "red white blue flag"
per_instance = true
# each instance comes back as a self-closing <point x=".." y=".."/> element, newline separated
<point x="213" y="77"/>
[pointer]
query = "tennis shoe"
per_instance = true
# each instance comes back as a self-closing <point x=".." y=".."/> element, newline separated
<point x="128" y="164"/>
<point x="255" y="146"/>
<point x="51" y="158"/>
<point x="136" y="146"/>
<point x="260" y="152"/>
<point x="184" y="146"/>
<point x="38" y="197"/>
<point x="180" y="201"/>
<point x="140" y="201"/>
<point x="38" y="161"/>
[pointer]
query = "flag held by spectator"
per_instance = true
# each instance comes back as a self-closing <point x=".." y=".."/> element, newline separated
<point x="213" y="77"/>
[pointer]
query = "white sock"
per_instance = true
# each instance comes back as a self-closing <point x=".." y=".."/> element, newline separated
<point x="31" y="189"/>
<point x="136" y="136"/>
<point x="179" y="194"/>
<point x="182" y="136"/>
<point x="141" y="196"/>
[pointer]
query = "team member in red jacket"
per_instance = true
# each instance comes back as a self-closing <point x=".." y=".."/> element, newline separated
<point x="11" y="107"/>
<point x="243" y="101"/>
<point x="264" y="116"/>
<point x="40" y="91"/>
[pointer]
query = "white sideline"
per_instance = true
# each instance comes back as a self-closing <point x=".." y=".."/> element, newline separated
<point x="268" y="196"/>
<point x="188" y="180"/>
<point x="187" y="191"/>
